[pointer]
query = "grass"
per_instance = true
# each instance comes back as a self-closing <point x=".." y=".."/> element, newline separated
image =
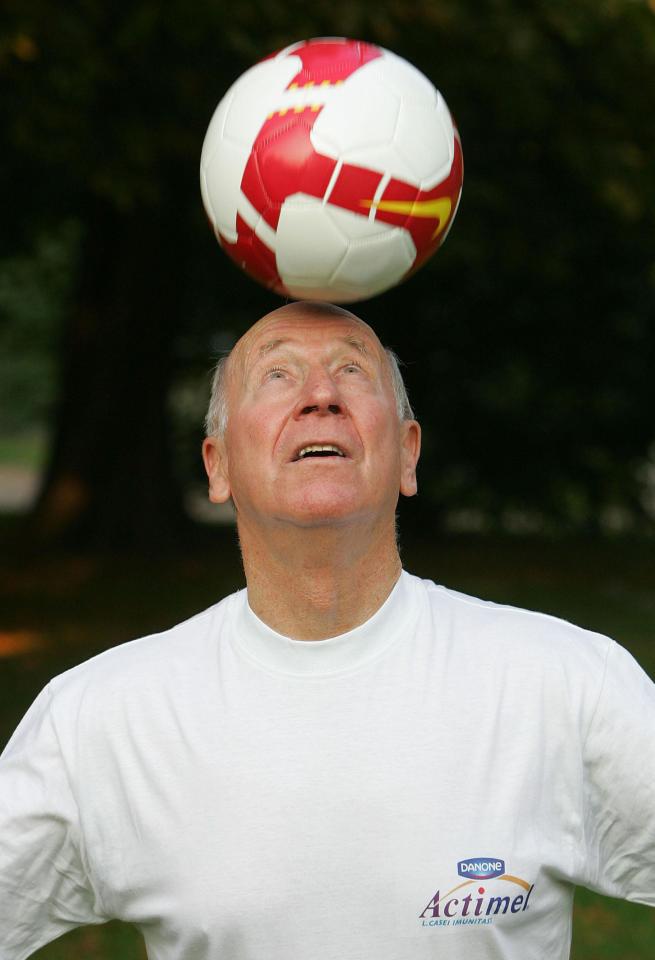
<point x="63" y="610"/>
<point x="606" y="929"/>
<point x="112" y="941"/>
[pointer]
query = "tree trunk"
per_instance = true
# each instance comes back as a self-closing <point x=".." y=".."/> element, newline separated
<point x="109" y="483"/>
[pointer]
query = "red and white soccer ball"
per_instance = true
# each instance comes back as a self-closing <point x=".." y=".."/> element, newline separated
<point x="331" y="170"/>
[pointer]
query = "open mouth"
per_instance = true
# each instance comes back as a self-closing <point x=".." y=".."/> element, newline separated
<point x="319" y="450"/>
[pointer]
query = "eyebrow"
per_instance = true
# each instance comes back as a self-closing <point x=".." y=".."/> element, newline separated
<point x="268" y="347"/>
<point x="358" y="344"/>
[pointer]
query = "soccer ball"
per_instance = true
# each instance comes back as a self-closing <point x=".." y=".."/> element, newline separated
<point x="331" y="170"/>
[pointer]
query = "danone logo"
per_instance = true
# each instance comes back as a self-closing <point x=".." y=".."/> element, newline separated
<point x="481" y="868"/>
<point x="471" y="902"/>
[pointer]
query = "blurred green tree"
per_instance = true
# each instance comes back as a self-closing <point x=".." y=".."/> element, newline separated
<point x="533" y="327"/>
<point x="34" y="295"/>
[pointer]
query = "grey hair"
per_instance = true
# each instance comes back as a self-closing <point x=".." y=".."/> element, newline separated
<point x="216" y="419"/>
<point x="403" y="406"/>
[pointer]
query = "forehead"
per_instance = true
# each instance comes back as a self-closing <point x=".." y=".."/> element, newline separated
<point x="304" y="333"/>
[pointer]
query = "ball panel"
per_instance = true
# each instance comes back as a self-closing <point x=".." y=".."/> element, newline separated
<point x="425" y="140"/>
<point x="255" y="95"/>
<point x="254" y="220"/>
<point x="376" y="263"/>
<point x="451" y="190"/>
<point x="221" y="186"/>
<point x="363" y="256"/>
<point x="287" y="160"/>
<point x="309" y="244"/>
<point x="359" y="119"/>
<point x="330" y="59"/>
<point x="327" y="292"/>
<point x="354" y="189"/>
<point x="408" y="82"/>
<point x="252" y="255"/>
<point x="254" y="191"/>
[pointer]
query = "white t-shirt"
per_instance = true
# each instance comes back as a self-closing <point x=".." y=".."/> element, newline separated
<point x="430" y="784"/>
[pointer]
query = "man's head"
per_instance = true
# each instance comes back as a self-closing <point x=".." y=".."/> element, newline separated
<point x="216" y="419"/>
<point x="309" y="376"/>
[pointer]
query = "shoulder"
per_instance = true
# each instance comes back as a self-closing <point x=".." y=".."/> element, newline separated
<point x="494" y="630"/>
<point x="154" y="662"/>
<point x="542" y="668"/>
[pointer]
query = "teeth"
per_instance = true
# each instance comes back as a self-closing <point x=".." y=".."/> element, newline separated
<point x="320" y="448"/>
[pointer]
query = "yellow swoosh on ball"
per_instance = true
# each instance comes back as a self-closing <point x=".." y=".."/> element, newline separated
<point x="428" y="209"/>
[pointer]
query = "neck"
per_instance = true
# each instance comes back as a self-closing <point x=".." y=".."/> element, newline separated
<point x="319" y="583"/>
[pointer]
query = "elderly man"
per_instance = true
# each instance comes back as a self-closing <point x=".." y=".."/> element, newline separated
<point x="341" y="762"/>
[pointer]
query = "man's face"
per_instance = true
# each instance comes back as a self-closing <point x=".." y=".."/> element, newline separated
<point x="313" y="434"/>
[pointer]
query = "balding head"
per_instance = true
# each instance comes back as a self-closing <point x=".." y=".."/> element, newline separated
<point x="232" y="366"/>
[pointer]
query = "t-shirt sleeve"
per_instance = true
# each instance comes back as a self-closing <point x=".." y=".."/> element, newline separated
<point x="619" y="783"/>
<point x="45" y="888"/>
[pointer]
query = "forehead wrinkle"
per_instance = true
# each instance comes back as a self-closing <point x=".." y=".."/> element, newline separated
<point x="270" y="346"/>
<point x="350" y="340"/>
<point x="296" y="343"/>
<point x="241" y="356"/>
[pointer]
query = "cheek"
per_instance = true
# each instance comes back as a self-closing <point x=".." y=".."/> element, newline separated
<point x="251" y="438"/>
<point x="384" y="425"/>
<point x="245" y="426"/>
<point x="384" y="445"/>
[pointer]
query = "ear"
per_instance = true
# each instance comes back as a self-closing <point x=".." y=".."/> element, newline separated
<point x="214" y="456"/>
<point x="410" y="449"/>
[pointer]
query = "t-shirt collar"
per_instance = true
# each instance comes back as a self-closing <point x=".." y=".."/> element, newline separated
<point x="339" y="654"/>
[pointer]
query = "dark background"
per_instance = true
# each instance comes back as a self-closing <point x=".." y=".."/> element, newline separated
<point x="529" y="339"/>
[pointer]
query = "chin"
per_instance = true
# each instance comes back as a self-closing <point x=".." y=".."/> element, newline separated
<point x="335" y="511"/>
<point x="321" y="517"/>
<point x="324" y="510"/>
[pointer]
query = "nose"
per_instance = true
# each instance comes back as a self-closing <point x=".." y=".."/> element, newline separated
<point x="320" y="395"/>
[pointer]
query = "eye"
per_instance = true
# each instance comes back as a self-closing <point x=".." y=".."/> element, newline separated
<point x="351" y="367"/>
<point x="275" y="373"/>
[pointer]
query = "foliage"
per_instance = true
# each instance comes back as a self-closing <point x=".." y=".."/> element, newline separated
<point x="34" y="293"/>
<point x="531" y="344"/>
